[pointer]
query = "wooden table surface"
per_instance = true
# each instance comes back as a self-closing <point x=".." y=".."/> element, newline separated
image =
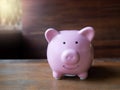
<point x="37" y="75"/>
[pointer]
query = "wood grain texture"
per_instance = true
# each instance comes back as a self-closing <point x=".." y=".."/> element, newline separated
<point x="103" y="15"/>
<point x="38" y="76"/>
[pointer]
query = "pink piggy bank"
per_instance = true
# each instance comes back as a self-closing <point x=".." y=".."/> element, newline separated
<point x="69" y="52"/>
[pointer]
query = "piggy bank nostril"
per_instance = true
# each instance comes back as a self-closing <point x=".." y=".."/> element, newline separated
<point x="69" y="57"/>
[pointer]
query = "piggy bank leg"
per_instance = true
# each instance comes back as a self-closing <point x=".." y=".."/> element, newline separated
<point x="83" y="76"/>
<point x="57" y="75"/>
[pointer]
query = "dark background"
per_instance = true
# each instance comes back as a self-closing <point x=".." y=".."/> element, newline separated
<point x="38" y="15"/>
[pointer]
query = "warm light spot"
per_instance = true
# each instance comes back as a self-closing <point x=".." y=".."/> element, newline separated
<point x="10" y="13"/>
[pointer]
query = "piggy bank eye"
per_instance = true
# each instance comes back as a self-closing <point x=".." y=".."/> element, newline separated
<point x="76" y="42"/>
<point x="64" y="42"/>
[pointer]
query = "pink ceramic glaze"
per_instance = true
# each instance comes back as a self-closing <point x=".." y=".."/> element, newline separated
<point x="69" y="52"/>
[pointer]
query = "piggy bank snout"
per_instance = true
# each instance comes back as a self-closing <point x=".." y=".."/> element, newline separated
<point x="70" y="57"/>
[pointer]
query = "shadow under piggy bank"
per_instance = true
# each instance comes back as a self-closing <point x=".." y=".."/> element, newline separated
<point x="98" y="73"/>
<point x="103" y="73"/>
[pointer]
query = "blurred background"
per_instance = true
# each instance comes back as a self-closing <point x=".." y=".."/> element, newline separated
<point x="38" y="15"/>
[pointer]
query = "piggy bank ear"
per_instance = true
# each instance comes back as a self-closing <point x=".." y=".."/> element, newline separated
<point x="50" y="34"/>
<point x="88" y="32"/>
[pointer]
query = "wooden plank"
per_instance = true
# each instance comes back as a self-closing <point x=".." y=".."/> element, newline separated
<point x="38" y="76"/>
<point x="103" y="15"/>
